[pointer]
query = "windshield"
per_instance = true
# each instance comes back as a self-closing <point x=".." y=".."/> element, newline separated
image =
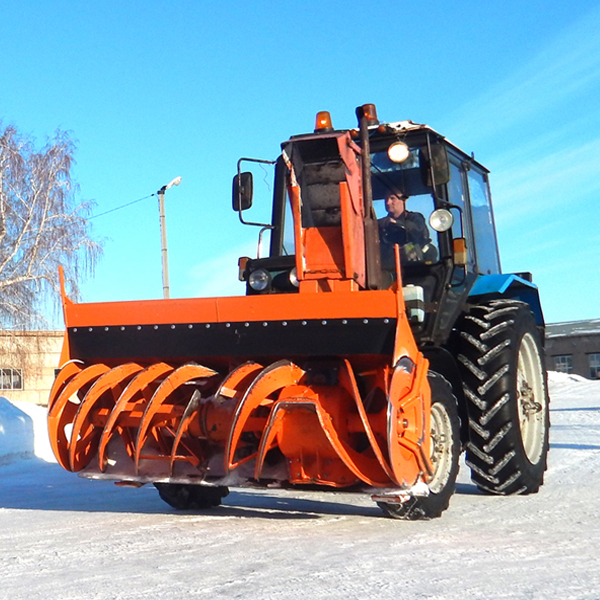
<point x="402" y="203"/>
<point x="387" y="176"/>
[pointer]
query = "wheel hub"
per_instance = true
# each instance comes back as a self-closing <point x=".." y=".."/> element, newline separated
<point x="441" y="451"/>
<point x="530" y="389"/>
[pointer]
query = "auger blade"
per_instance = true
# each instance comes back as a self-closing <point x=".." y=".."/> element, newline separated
<point x="66" y="373"/>
<point x="269" y="438"/>
<point x="136" y="396"/>
<point x="238" y="381"/>
<point x="324" y="404"/>
<point x="348" y="382"/>
<point x="101" y="395"/>
<point x="167" y="405"/>
<point x="65" y="407"/>
<point x="271" y="379"/>
<point x="190" y="444"/>
<point x="364" y="467"/>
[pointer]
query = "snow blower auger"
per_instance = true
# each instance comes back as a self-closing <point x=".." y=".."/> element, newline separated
<point x="370" y="346"/>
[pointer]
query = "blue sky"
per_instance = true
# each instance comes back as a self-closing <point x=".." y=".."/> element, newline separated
<point x="155" y="89"/>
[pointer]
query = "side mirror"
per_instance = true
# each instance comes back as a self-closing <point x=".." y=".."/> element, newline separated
<point x="437" y="161"/>
<point x="242" y="191"/>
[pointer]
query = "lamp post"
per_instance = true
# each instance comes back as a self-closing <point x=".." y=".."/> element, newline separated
<point x="163" y="233"/>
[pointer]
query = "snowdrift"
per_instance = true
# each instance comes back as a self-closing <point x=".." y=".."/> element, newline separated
<point x="16" y="432"/>
<point x="23" y="432"/>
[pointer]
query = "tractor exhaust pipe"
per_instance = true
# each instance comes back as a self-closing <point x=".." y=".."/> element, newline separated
<point x="367" y="115"/>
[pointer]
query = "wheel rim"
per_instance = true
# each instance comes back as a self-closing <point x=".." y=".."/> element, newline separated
<point x="531" y="399"/>
<point x="441" y="447"/>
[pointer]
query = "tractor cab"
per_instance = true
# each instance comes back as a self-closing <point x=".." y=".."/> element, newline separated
<point x="348" y="203"/>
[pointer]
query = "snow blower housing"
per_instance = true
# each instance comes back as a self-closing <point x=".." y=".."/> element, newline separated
<point x="370" y="347"/>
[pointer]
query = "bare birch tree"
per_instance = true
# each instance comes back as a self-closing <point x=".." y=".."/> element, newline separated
<point x="42" y="226"/>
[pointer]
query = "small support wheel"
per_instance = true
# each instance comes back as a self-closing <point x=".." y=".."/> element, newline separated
<point x="183" y="496"/>
<point x="445" y="452"/>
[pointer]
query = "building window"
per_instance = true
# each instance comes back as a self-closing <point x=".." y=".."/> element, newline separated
<point x="594" y="365"/>
<point x="11" y="379"/>
<point x="564" y="363"/>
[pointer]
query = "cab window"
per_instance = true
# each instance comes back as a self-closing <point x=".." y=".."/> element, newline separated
<point x="486" y="248"/>
<point x="457" y="195"/>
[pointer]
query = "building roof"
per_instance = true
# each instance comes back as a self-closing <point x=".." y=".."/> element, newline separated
<point x="573" y="328"/>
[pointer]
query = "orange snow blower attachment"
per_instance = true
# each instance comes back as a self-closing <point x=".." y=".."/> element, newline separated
<point x="116" y="411"/>
<point x="322" y="385"/>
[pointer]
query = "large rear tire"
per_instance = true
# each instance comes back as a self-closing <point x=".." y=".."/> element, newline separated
<point x="499" y="351"/>
<point x="445" y="451"/>
<point x="191" y="497"/>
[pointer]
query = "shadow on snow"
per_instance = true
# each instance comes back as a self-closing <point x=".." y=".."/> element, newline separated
<point x="37" y="485"/>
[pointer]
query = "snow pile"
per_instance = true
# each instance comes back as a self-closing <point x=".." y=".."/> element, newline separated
<point x="579" y="390"/>
<point x="554" y="377"/>
<point x="23" y="431"/>
<point x="16" y="432"/>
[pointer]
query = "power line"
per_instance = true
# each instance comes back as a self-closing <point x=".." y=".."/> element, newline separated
<point x="120" y="207"/>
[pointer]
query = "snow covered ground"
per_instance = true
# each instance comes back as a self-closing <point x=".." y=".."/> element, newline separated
<point x="62" y="537"/>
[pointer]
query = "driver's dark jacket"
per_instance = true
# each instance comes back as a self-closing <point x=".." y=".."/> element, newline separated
<point x="409" y="227"/>
<point x="408" y="230"/>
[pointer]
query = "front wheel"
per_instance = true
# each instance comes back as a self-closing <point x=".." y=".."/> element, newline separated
<point x="499" y="350"/>
<point x="445" y="451"/>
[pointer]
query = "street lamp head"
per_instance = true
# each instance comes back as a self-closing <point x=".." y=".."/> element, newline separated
<point x="175" y="181"/>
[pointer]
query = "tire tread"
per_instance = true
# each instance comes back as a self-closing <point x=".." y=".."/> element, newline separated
<point x="485" y="342"/>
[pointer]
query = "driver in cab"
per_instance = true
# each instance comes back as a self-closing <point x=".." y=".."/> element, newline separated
<point x="407" y="229"/>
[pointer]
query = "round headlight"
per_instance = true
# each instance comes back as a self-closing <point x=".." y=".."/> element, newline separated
<point x="398" y="152"/>
<point x="259" y="280"/>
<point x="294" y="277"/>
<point x="441" y="219"/>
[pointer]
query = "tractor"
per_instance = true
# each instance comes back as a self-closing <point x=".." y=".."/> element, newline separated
<point x="377" y="339"/>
